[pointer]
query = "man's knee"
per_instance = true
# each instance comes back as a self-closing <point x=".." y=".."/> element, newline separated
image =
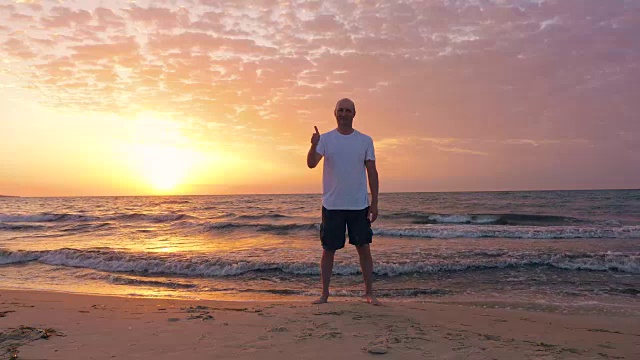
<point x="328" y="252"/>
<point x="362" y="249"/>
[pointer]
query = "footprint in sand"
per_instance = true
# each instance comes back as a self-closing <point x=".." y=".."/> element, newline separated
<point x="279" y="329"/>
<point x="4" y="313"/>
<point x="331" y="335"/>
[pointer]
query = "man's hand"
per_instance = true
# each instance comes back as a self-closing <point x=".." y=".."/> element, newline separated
<point x="315" y="138"/>
<point x="313" y="158"/>
<point x="373" y="212"/>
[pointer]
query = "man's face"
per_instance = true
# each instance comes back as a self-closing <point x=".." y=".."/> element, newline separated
<point x="344" y="113"/>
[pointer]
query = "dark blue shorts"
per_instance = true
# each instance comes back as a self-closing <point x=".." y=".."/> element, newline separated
<point x="334" y="222"/>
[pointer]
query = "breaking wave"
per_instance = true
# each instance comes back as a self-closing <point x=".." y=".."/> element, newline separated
<point x="202" y="265"/>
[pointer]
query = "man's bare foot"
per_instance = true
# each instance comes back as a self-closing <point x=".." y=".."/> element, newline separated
<point x="372" y="300"/>
<point x="322" y="300"/>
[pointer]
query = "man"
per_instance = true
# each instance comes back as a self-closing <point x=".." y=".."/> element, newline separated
<point x="345" y="203"/>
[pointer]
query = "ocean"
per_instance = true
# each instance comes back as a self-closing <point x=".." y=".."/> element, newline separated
<point x="552" y="247"/>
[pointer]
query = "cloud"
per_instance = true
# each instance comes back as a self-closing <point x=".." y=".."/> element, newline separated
<point x="107" y="18"/>
<point x="324" y="23"/>
<point x="123" y="52"/>
<point x="7" y="8"/>
<point x="461" y="151"/>
<point x="17" y="48"/>
<point x="161" y="18"/>
<point x="521" y="72"/>
<point x="545" y="142"/>
<point x="66" y="17"/>
<point x="20" y="17"/>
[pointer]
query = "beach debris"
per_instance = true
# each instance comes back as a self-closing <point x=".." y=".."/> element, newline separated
<point x="378" y="346"/>
<point x="492" y="337"/>
<point x="12" y="339"/>
<point x="604" y="331"/>
<point x="173" y="319"/>
<point x="203" y="312"/>
<point x="194" y="309"/>
<point x="339" y="312"/>
<point x="203" y="316"/>
<point x="377" y="349"/>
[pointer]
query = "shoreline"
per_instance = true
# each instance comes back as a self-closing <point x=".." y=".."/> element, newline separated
<point x="56" y="325"/>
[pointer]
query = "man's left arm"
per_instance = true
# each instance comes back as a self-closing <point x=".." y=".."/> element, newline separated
<point x="372" y="174"/>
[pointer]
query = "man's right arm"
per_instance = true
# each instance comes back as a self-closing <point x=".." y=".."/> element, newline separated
<point x="313" y="158"/>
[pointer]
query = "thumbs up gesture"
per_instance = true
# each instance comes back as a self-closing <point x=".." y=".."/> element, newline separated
<point x="315" y="138"/>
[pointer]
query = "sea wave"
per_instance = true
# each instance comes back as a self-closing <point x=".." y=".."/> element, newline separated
<point x="262" y="227"/>
<point x="206" y="265"/>
<point x="86" y="227"/>
<point x="487" y="219"/>
<point x="128" y="280"/>
<point x="160" y="218"/>
<point x="172" y="202"/>
<point x="45" y="217"/>
<point x="440" y="231"/>
<point x="512" y="232"/>
<point x="17" y="257"/>
<point x="21" y="227"/>
<point x="261" y="216"/>
<point x="69" y="217"/>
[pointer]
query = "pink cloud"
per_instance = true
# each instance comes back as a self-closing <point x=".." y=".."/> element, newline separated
<point x="66" y="17"/>
<point x="43" y="42"/>
<point x="159" y="17"/>
<point x="8" y="8"/>
<point x="323" y="23"/>
<point x="61" y="68"/>
<point x="124" y="52"/>
<point x="17" y="48"/>
<point x="107" y="18"/>
<point x="210" y="20"/>
<point x="32" y="5"/>
<point x="204" y="42"/>
<point x="20" y="17"/>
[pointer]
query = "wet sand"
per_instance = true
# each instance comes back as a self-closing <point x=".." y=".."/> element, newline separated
<point x="49" y="325"/>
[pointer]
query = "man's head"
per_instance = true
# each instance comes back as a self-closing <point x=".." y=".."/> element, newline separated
<point x="345" y="112"/>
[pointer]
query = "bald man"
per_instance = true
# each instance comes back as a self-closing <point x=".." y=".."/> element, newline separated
<point x="348" y="154"/>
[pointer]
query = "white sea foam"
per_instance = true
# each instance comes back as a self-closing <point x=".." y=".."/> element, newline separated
<point x="516" y="232"/>
<point x="211" y="266"/>
<point x="16" y="257"/>
<point x="463" y="219"/>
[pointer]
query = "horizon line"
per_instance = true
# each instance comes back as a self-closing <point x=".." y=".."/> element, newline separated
<point x="319" y="193"/>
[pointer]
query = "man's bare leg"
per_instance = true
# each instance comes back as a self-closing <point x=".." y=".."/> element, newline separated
<point x="366" y="264"/>
<point x="326" y="269"/>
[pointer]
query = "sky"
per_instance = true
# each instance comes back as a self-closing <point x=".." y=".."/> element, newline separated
<point x="220" y="97"/>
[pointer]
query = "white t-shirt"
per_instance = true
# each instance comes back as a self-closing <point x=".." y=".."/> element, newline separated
<point x="344" y="178"/>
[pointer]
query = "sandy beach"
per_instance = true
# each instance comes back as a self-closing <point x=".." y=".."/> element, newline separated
<point x="48" y="325"/>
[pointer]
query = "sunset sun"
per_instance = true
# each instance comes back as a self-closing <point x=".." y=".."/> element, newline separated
<point x="165" y="168"/>
<point x="161" y="157"/>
